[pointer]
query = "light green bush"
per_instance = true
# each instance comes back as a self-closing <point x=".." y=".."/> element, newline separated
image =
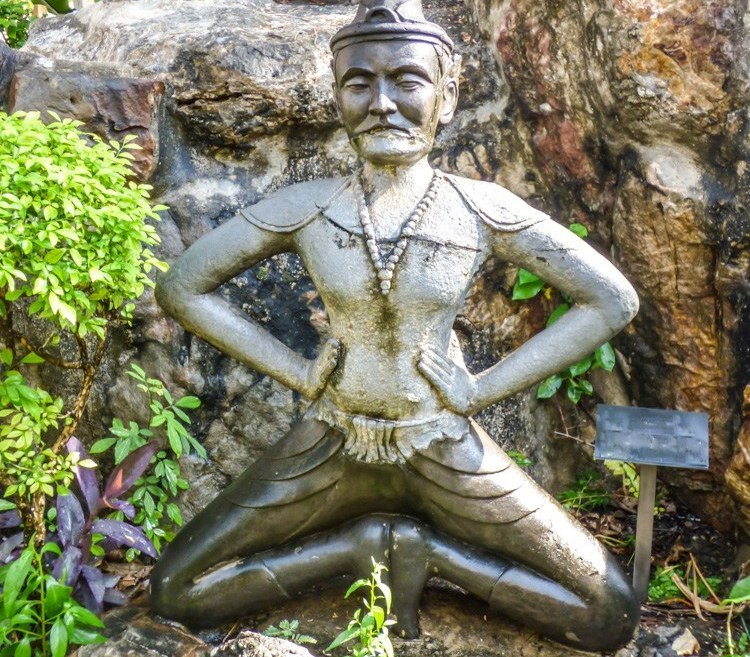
<point x="73" y="226"/>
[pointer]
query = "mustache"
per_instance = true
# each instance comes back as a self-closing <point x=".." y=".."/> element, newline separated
<point x="373" y="127"/>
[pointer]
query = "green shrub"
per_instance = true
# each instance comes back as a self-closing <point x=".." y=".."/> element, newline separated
<point x="73" y="226"/>
<point x="40" y="616"/>
<point x="154" y="492"/>
<point x="15" y="18"/>
<point x="368" y="631"/>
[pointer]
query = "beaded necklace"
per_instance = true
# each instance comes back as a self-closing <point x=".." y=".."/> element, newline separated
<point x="384" y="268"/>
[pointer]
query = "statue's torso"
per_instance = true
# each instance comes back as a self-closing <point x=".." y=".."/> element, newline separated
<point x="382" y="335"/>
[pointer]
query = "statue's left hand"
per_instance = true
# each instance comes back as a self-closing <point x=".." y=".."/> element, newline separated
<point x="456" y="388"/>
<point x="320" y="369"/>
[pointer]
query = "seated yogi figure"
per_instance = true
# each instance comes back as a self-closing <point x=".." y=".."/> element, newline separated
<point x="385" y="462"/>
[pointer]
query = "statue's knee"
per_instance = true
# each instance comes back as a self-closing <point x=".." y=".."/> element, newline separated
<point x="615" y="613"/>
<point x="166" y="591"/>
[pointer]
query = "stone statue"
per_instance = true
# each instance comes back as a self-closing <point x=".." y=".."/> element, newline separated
<point x="386" y="463"/>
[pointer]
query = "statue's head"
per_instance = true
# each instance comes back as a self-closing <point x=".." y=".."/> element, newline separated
<point x="395" y="81"/>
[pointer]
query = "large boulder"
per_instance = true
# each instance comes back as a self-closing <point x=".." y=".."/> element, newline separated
<point x="627" y="116"/>
<point x="230" y="101"/>
<point x="635" y="114"/>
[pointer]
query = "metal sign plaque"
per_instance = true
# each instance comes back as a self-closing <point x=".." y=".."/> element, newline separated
<point x="652" y="436"/>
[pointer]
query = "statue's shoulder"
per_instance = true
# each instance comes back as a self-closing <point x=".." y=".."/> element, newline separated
<point x="495" y="205"/>
<point x="292" y="207"/>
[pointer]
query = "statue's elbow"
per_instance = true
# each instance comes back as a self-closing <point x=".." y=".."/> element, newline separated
<point x="625" y="306"/>
<point x="630" y="304"/>
<point x="168" y="292"/>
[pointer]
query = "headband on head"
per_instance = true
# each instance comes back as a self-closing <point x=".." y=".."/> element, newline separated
<point x="383" y="20"/>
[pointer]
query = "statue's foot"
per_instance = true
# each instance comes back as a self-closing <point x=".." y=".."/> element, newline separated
<point x="418" y="552"/>
<point x="410" y="564"/>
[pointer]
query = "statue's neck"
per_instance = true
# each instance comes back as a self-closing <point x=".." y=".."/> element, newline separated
<point x="392" y="193"/>
<point x="387" y="181"/>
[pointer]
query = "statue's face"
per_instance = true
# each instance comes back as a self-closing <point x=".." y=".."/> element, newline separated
<point x="391" y="97"/>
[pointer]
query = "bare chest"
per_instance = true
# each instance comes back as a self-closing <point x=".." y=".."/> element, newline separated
<point x="434" y="272"/>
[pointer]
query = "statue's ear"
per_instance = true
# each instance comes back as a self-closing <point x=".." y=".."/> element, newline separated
<point x="450" y="91"/>
<point x="334" y="88"/>
<point x="335" y="91"/>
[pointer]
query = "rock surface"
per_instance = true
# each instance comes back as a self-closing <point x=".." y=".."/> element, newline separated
<point x="230" y="102"/>
<point x="453" y="625"/>
<point x="634" y="115"/>
<point x="627" y="117"/>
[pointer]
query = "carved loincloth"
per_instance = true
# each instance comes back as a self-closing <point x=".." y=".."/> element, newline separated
<point x="375" y="440"/>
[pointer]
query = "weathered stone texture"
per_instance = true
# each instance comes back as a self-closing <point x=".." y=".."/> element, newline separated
<point x="108" y="104"/>
<point x="736" y="475"/>
<point x="7" y="68"/>
<point x="634" y="115"/>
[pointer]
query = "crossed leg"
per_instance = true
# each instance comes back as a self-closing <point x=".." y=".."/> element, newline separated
<point x="522" y="552"/>
<point x="305" y="512"/>
<point x="287" y="522"/>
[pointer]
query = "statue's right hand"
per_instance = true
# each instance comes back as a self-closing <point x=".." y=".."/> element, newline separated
<point x="320" y="369"/>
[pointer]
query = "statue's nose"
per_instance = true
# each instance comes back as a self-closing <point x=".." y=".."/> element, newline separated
<point x="381" y="104"/>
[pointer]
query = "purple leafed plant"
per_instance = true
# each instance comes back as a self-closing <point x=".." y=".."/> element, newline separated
<point x="77" y="523"/>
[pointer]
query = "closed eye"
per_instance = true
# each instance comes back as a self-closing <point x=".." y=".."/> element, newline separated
<point x="409" y="85"/>
<point x="410" y="81"/>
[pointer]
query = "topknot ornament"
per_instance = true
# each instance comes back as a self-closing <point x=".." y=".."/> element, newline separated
<point x="383" y="20"/>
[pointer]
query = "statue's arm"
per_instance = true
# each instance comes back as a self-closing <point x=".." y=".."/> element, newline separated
<point x="187" y="293"/>
<point x="604" y="304"/>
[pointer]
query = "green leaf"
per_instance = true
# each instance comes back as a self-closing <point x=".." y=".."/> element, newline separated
<point x="23" y="649"/>
<point x="53" y="256"/>
<point x="557" y="313"/>
<point x="137" y="372"/>
<point x="529" y="291"/>
<point x="188" y="402"/>
<point x="581" y="367"/>
<point x="50" y="548"/>
<point x="175" y="441"/>
<point x="58" y="638"/>
<point x="525" y="277"/>
<point x="385" y="591"/>
<point x="173" y="512"/>
<point x="605" y="357"/>
<point x="549" y="386"/>
<point x="527" y="286"/>
<point x="360" y="583"/>
<point x="579" y="229"/>
<point x="6" y="356"/>
<point x="6" y="505"/>
<point x="32" y="359"/>
<point x="347" y="635"/>
<point x="17" y="572"/>
<point x="102" y="445"/>
<point x="573" y="392"/>
<point x="86" y="617"/>
<point x="56" y="596"/>
<point x="740" y="591"/>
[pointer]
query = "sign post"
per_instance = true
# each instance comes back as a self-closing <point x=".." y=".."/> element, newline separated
<point x="650" y="437"/>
